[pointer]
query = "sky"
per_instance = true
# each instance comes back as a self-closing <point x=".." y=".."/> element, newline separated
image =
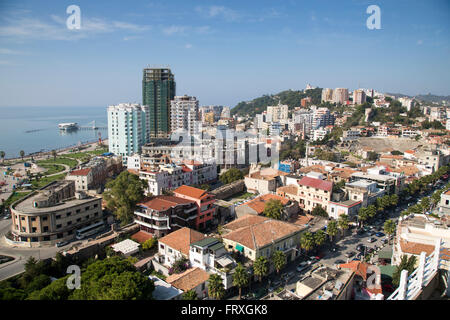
<point x="221" y="52"/>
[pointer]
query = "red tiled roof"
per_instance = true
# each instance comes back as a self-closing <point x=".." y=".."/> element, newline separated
<point x="190" y="192"/>
<point x="360" y="268"/>
<point x="141" y="236"/>
<point x="258" y="204"/>
<point x="81" y="172"/>
<point x="316" y="183"/>
<point x="257" y="234"/>
<point x="189" y="279"/>
<point x="181" y="239"/>
<point x="164" y="202"/>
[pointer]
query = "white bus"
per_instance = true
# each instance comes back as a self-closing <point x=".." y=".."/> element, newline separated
<point x="89" y="230"/>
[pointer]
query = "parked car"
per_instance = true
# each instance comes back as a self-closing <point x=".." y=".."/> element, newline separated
<point x="370" y="240"/>
<point x="360" y="247"/>
<point x="379" y="234"/>
<point x="302" y="266"/>
<point x="62" y="243"/>
<point x="287" y="276"/>
<point x="350" y="254"/>
<point x="384" y="240"/>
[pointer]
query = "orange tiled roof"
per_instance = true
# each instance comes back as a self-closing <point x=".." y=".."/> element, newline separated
<point x="133" y="171"/>
<point x="181" y="239"/>
<point x="141" y="236"/>
<point x="290" y="189"/>
<point x="81" y="172"/>
<point x="417" y="248"/>
<point x="164" y="202"/>
<point x="315" y="168"/>
<point x="260" y="234"/>
<point x="258" y="204"/>
<point x="191" y="192"/>
<point x="360" y="268"/>
<point x="189" y="279"/>
<point x="301" y="220"/>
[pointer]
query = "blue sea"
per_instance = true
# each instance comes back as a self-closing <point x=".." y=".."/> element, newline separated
<point x="43" y="121"/>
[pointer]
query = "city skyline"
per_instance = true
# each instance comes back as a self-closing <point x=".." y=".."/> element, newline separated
<point x="220" y="52"/>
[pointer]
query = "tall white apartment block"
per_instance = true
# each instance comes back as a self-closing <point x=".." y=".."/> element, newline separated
<point x="128" y="129"/>
<point x="184" y="113"/>
<point x="279" y="113"/>
<point x="327" y="95"/>
<point x="340" y="95"/>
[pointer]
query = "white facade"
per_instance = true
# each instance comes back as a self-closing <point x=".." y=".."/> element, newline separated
<point x="340" y="95"/>
<point x="127" y="129"/>
<point x="184" y="114"/>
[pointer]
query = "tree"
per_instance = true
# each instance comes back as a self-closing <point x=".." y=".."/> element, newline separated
<point x="240" y="278"/>
<point x="113" y="279"/>
<point x="405" y="264"/>
<point x="319" y="211"/>
<point x="54" y="154"/>
<point x="260" y="267"/>
<point x="190" y="295"/>
<point x="2" y="155"/>
<point x="332" y="229"/>
<point x="425" y="204"/>
<point x="307" y="241"/>
<point x="343" y="223"/>
<point x="179" y="266"/>
<point x="216" y="288"/>
<point x="393" y="199"/>
<point x="149" y="243"/>
<point x="278" y="260"/>
<point x="320" y="237"/>
<point x="273" y="209"/>
<point x="363" y="215"/>
<point x="389" y="228"/>
<point x="231" y="175"/>
<point x="123" y="194"/>
<point x="22" y="154"/>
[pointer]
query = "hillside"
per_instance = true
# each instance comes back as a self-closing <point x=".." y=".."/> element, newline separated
<point x="289" y="97"/>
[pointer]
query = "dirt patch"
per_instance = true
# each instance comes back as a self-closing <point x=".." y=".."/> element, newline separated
<point x="382" y="144"/>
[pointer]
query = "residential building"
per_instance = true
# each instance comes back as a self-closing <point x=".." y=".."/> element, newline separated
<point x="54" y="214"/>
<point x="306" y="102"/>
<point x="359" y="96"/>
<point x="257" y="206"/>
<point x="209" y="254"/>
<point x="158" y="89"/>
<point x="205" y="204"/>
<point x="193" y="279"/>
<point x="363" y="191"/>
<point x="419" y="233"/>
<point x="263" y="181"/>
<point x="347" y="207"/>
<point x="184" y="114"/>
<point x="327" y="95"/>
<point x="340" y="95"/>
<point x="127" y="129"/>
<point x="162" y="215"/>
<point x="256" y="236"/>
<point x="279" y="113"/>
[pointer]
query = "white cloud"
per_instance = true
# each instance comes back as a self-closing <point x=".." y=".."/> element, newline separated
<point x="185" y="30"/>
<point x="55" y="28"/>
<point x="174" y="29"/>
<point x="218" y="11"/>
<point x="188" y="46"/>
<point x="9" y="51"/>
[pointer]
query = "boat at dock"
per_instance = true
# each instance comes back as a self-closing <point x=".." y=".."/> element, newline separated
<point x="68" y="126"/>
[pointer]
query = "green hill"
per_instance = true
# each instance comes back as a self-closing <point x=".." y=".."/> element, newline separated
<point x="289" y="97"/>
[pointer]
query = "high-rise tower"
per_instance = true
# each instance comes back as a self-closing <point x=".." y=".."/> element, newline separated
<point x="158" y="88"/>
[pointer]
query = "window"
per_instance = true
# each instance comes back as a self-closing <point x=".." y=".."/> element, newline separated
<point x="45" y="229"/>
<point x="33" y="229"/>
<point x="58" y="226"/>
<point x="44" y="218"/>
<point x="69" y="223"/>
<point x="70" y="232"/>
<point x="95" y="205"/>
<point x="78" y="210"/>
<point x="69" y="213"/>
<point x="33" y="219"/>
<point x="58" y="216"/>
<point x="170" y="250"/>
<point x="46" y="238"/>
<point x="23" y="218"/>
<point x="96" y="214"/>
<point x="59" y="236"/>
<point x="87" y="217"/>
<point x="23" y="229"/>
<point x="87" y="208"/>
<point x="79" y="219"/>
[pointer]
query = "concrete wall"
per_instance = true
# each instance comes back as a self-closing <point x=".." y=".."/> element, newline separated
<point x="228" y="190"/>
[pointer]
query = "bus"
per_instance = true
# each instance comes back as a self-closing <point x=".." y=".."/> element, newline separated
<point x="90" y="230"/>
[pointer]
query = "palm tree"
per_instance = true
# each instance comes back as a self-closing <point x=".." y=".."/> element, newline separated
<point x="260" y="268"/>
<point x="332" y="229"/>
<point x="343" y="223"/>
<point x="240" y="278"/>
<point x="216" y="288"/>
<point x="320" y="237"/>
<point x="307" y="241"/>
<point x="389" y="228"/>
<point x="363" y="215"/>
<point x="190" y="295"/>
<point x="22" y="154"/>
<point x="2" y="155"/>
<point x="278" y="260"/>
<point x="54" y="154"/>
